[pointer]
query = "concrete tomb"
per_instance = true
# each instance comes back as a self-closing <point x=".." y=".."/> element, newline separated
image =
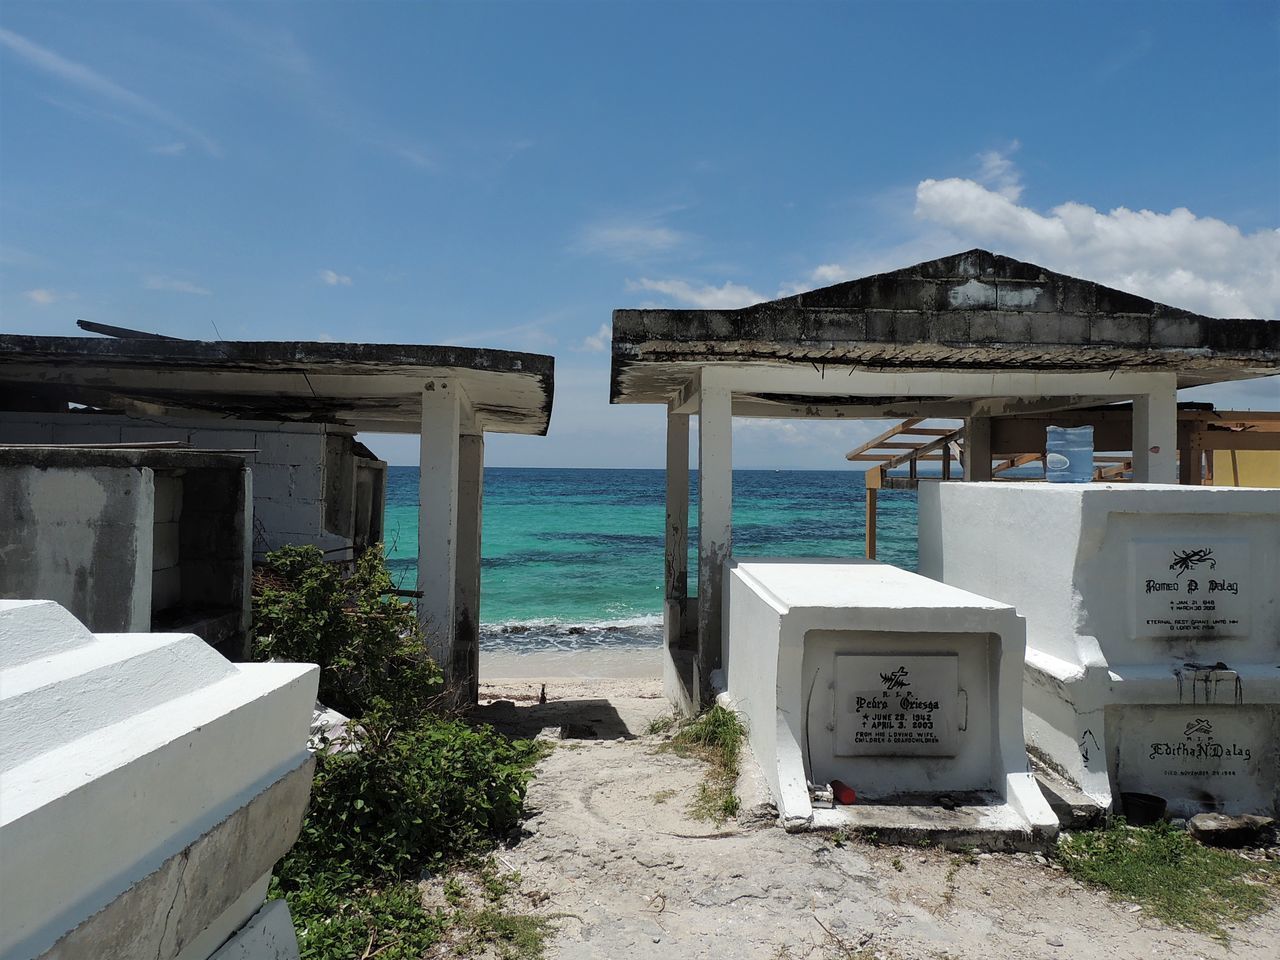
<point x="905" y="689"/>
<point x="131" y="540"/>
<point x="147" y="788"/>
<point x="1153" y="629"/>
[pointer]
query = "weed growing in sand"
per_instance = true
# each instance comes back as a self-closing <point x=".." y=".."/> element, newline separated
<point x="1171" y="875"/>
<point x="715" y="737"/>
<point x="662" y="796"/>
<point x="660" y="725"/>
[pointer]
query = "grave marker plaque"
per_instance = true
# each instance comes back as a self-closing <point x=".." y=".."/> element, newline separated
<point x="1190" y="588"/>
<point x="896" y="706"/>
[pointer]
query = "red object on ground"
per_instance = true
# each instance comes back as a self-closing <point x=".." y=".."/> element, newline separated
<point x="843" y="793"/>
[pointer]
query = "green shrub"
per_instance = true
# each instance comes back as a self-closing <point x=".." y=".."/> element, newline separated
<point x="389" y="923"/>
<point x="407" y="791"/>
<point x="366" y="641"/>
<point x="411" y="797"/>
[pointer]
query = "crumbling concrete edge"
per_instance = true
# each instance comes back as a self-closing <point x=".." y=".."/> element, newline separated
<point x="169" y="908"/>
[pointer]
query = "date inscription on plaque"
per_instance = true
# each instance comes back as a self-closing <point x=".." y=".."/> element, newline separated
<point x="897" y="706"/>
<point x="1190" y="588"/>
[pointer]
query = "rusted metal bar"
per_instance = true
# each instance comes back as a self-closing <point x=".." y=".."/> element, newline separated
<point x="120" y="333"/>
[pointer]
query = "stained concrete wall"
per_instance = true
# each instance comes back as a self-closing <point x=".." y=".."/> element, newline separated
<point x="81" y="538"/>
<point x="304" y="474"/>
<point x="1153" y="628"/>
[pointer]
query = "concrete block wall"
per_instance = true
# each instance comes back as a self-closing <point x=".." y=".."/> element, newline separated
<point x="80" y="537"/>
<point x="166" y="575"/>
<point x="293" y="464"/>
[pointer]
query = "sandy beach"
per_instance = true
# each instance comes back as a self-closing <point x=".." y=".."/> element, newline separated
<point x="640" y="663"/>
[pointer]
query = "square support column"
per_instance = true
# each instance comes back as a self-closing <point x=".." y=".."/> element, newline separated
<point x="1155" y="434"/>
<point x="715" y="520"/>
<point x="678" y="674"/>
<point x="465" y="660"/>
<point x="438" y="518"/>
<point x="977" y="448"/>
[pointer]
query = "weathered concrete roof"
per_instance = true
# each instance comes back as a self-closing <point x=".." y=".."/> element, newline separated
<point x="85" y="456"/>
<point x="368" y="386"/>
<point x="972" y="312"/>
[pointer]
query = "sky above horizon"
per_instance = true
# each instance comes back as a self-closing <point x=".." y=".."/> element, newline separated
<point x="506" y="174"/>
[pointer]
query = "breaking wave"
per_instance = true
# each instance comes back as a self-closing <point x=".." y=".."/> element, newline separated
<point x="529" y="635"/>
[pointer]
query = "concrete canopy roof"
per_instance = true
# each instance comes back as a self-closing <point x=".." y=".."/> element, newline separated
<point x="367" y="386"/>
<point x="973" y="312"/>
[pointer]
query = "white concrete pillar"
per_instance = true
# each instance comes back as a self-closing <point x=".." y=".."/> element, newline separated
<point x="977" y="448"/>
<point x="715" y="519"/>
<point x="465" y="661"/>
<point x="1155" y="434"/>
<point x="678" y="675"/>
<point x="438" y="517"/>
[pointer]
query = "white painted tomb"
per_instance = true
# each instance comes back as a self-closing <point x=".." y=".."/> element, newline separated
<point x="1153" y="629"/>
<point x="907" y="690"/>
<point x="147" y="788"/>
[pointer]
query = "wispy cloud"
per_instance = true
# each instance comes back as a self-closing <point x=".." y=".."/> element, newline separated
<point x="331" y="278"/>
<point x="727" y="296"/>
<point x="89" y="81"/>
<point x="628" y="241"/>
<point x="43" y="297"/>
<point x="598" y="342"/>
<point x="288" y="72"/>
<point x="998" y="171"/>
<point x="524" y="336"/>
<point x="175" y="149"/>
<point x="175" y="285"/>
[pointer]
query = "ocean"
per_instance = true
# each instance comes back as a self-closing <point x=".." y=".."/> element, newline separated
<point x="573" y="559"/>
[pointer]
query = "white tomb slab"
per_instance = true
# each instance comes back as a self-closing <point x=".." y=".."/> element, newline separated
<point x="147" y="788"/>
<point x="907" y="690"/>
<point x="1153" y="629"/>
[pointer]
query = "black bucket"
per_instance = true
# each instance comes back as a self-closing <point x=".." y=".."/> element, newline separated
<point x="1143" y="809"/>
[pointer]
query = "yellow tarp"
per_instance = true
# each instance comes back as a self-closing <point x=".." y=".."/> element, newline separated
<point x="1246" y="468"/>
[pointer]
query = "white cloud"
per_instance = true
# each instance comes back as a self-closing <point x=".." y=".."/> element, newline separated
<point x="998" y="171"/>
<point x="43" y="297"/>
<point x="175" y="285"/>
<point x="1198" y="263"/>
<point x="331" y="278"/>
<point x="175" y="149"/>
<point x="628" y="241"/>
<point x="727" y="296"/>
<point x="90" y="81"/>
<point x="599" y="341"/>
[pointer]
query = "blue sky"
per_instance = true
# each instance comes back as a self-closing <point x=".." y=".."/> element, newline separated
<point x="506" y="174"/>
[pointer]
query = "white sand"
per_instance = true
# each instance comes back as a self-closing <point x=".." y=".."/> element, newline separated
<point x="632" y="663"/>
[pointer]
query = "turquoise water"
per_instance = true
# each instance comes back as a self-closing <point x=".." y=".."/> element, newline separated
<point x="574" y="558"/>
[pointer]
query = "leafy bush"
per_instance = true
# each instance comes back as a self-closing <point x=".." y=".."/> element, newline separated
<point x="389" y="923"/>
<point x="411" y="797"/>
<point x="406" y="791"/>
<point x="367" y="642"/>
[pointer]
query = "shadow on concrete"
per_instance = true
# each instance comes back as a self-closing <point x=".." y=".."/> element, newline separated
<point x="595" y="719"/>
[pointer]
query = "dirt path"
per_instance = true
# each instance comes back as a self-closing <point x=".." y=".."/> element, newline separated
<point x="632" y="876"/>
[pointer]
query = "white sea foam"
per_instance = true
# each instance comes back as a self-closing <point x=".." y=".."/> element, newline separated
<point x="515" y="636"/>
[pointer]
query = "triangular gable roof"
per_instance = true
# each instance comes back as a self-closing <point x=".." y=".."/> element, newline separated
<point x="979" y="280"/>
<point x="972" y="311"/>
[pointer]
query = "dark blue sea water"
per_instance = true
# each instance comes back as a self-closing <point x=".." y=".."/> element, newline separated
<point x="574" y="558"/>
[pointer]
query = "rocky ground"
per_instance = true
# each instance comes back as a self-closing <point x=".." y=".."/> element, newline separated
<point x="611" y="852"/>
